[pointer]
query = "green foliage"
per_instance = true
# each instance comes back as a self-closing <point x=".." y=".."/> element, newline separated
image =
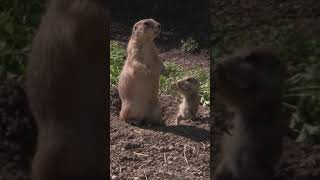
<point x="18" y="21"/>
<point x="190" y="45"/>
<point x="204" y="78"/>
<point x="175" y="72"/>
<point x="301" y="55"/>
<point x="117" y="54"/>
<point x="303" y="95"/>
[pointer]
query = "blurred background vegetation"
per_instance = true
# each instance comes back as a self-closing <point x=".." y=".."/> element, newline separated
<point x="292" y="29"/>
<point x="18" y="22"/>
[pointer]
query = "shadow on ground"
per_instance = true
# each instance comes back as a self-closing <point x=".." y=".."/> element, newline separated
<point x="188" y="131"/>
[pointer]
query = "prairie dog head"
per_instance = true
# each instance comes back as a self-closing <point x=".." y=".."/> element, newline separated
<point x="249" y="78"/>
<point x="146" y="30"/>
<point x="187" y="86"/>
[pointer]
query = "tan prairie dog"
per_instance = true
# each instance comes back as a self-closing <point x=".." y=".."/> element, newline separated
<point x="188" y="88"/>
<point x="139" y="79"/>
<point x="250" y="84"/>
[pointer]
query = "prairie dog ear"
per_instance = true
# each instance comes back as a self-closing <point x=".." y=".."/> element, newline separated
<point x="134" y="27"/>
<point x="136" y="30"/>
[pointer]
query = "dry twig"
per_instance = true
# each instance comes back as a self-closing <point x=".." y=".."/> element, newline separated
<point x="185" y="156"/>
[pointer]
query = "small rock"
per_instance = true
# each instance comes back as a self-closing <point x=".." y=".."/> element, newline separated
<point x="114" y="177"/>
<point x="131" y="146"/>
<point x="139" y="178"/>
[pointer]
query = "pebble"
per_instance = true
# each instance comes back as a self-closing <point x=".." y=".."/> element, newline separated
<point x="114" y="177"/>
<point x="139" y="178"/>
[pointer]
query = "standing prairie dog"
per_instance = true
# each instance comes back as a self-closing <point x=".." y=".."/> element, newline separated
<point x="188" y="88"/>
<point x="139" y="79"/>
<point x="250" y="84"/>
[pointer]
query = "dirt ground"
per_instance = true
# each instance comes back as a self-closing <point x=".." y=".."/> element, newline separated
<point x="170" y="152"/>
<point x="17" y="130"/>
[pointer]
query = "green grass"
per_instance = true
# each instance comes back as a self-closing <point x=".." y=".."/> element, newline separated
<point x="173" y="73"/>
<point x="117" y="58"/>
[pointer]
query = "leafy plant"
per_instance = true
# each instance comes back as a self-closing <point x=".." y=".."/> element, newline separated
<point x="190" y="45"/>
<point x="18" y="22"/>
<point x="117" y="54"/>
<point x="175" y="72"/>
<point x="303" y="98"/>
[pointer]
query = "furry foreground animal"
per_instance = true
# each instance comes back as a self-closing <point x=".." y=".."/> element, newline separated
<point x="66" y="89"/>
<point x="250" y="84"/>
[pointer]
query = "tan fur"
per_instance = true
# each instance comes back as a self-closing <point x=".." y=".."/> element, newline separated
<point x="139" y="79"/>
<point x="188" y="88"/>
<point x="66" y="88"/>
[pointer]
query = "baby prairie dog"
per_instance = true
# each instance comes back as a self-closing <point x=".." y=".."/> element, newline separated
<point x="250" y="84"/>
<point x="188" y="88"/>
<point x="139" y="79"/>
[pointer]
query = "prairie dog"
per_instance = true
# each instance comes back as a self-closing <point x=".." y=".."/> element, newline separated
<point x="139" y="79"/>
<point x="188" y="88"/>
<point x="250" y="84"/>
<point x="66" y="89"/>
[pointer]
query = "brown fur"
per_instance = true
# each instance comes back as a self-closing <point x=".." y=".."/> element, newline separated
<point x="250" y="84"/>
<point x="188" y="88"/>
<point x="66" y="88"/>
<point x="139" y="80"/>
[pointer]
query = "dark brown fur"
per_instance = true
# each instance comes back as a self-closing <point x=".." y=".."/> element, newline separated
<point x="66" y="88"/>
<point x="250" y="84"/>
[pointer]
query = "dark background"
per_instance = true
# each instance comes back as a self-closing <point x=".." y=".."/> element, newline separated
<point x="168" y="12"/>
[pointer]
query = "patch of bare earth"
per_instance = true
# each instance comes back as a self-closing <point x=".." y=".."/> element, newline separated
<point x="169" y="152"/>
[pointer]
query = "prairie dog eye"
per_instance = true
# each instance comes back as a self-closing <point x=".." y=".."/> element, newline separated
<point x="192" y="80"/>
